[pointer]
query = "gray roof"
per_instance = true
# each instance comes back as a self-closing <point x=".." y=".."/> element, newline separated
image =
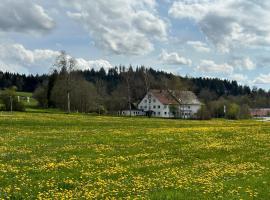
<point x="185" y="97"/>
<point x="175" y="97"/>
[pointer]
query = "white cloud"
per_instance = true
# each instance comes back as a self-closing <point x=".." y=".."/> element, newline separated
<point x="262" y="79"/>
<point x="199" y="46"/>
<point x="16" y="58"/>
<point x="95" y="64"/>
<point x="190" y="9"/>
<point x="209" y="66"/>
<point x="244" y="64"/>
<point x="120" y="26"/>
<point x="24" y="16"/>
<point x="173" y="58"/>
<point x="239" y="77"/>
<point x="228" y="24"/>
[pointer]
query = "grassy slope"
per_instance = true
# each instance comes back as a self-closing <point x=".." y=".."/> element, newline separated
<point x="78" y="156"/>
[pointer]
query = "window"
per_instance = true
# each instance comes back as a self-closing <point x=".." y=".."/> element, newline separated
<point x="145" y="107"/>
<point x="145" y="101"/>
<point x="141" y="107"/>
<point x="158" y="106"/>
<point x="154" y="107"/>
<point x="158" y="113"/>
<point x="149" y="100"/>
<point x="188" y="107"/>
<point x="165" y="113"/>
<point x="154" y="100"/>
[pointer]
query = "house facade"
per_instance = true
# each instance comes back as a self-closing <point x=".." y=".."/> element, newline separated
<point x="170" y="104"/>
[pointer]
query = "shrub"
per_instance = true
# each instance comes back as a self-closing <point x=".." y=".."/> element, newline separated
<point x="40" y="95"/>
<point x="233" y="111"/>
<point x="244" y="112"/>
<point x="203" y="113"/>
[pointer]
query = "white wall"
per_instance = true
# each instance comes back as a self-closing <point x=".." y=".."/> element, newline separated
<point x="133" y="113"/>
<point x="189" y="110"/>
<point x="159" y="109"/>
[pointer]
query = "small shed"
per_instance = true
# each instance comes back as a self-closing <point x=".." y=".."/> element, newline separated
<point x="134" y="111"/>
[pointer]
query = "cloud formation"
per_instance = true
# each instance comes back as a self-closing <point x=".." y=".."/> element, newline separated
<point x="125" y="27"/>
<point x="209" y="66"/>
<point x="199" y="46"/>
<point x="173" y="58"/>
<point x="228" y="24"/>
<point x="239" y="77"/>
<point x="244" y="64"/>
<point x="24" y="16"/>
<point x="262" y="79"/>
<point x="16" y="58"/>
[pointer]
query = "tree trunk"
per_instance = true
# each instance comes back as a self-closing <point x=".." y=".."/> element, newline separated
<point x="11" y="103"/>
<point x="68" y="102"/>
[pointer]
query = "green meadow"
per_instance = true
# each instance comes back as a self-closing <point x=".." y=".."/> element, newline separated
<point x="75" y="156"/>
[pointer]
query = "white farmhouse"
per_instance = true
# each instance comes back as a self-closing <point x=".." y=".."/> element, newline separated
<point x="169" y="104"/>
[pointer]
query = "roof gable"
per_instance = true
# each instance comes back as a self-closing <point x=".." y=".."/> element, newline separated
<point x="175" y="97"/>
<point x="164" y="97"/>
<point x="185" y="97"/>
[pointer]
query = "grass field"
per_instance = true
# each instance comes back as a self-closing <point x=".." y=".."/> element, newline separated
<point x="58" y="156"/>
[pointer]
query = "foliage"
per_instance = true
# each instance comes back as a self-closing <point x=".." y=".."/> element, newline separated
<point x="203" y="113"/>
<point x="40" y="95"/>
<point x="174" y="110"/>
<point x="58" y="156"/>
<point x="233" y="111"/>
<point x="10" y="100"/>
<point x="82" y="94"/>
<point x="244" y="112"/>
<point x="216" y="108"/>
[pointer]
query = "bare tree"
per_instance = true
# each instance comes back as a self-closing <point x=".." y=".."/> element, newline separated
<point x="71" y="68"/>
<point x="146" y="80"/>
<point x="127" y="78"/>
<point x="66" y="66"/>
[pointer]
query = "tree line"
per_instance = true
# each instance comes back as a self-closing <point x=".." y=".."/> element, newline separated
<point x="120" y="87"/>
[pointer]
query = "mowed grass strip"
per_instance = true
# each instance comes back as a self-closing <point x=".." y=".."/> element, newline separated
<point x="60" y="156"/>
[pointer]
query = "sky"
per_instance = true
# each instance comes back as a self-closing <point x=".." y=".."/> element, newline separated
<point x="228" y="39"/>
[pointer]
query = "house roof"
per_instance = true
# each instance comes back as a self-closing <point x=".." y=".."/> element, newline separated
<point x="175" y="97"/>
<point x="186" y="97"/>
<point x="164" y="97"/>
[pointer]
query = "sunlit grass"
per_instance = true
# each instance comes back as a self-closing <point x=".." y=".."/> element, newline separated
<point x="58" y="156"/>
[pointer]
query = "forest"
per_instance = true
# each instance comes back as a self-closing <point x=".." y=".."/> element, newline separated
<point x="109" y="91"/>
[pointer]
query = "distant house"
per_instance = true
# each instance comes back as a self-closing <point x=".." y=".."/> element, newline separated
<point x="260" y="112"/>
<point x="170" y="104"/>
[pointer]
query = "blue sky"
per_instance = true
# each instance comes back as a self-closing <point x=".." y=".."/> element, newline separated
<point x="211" y="38"/>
